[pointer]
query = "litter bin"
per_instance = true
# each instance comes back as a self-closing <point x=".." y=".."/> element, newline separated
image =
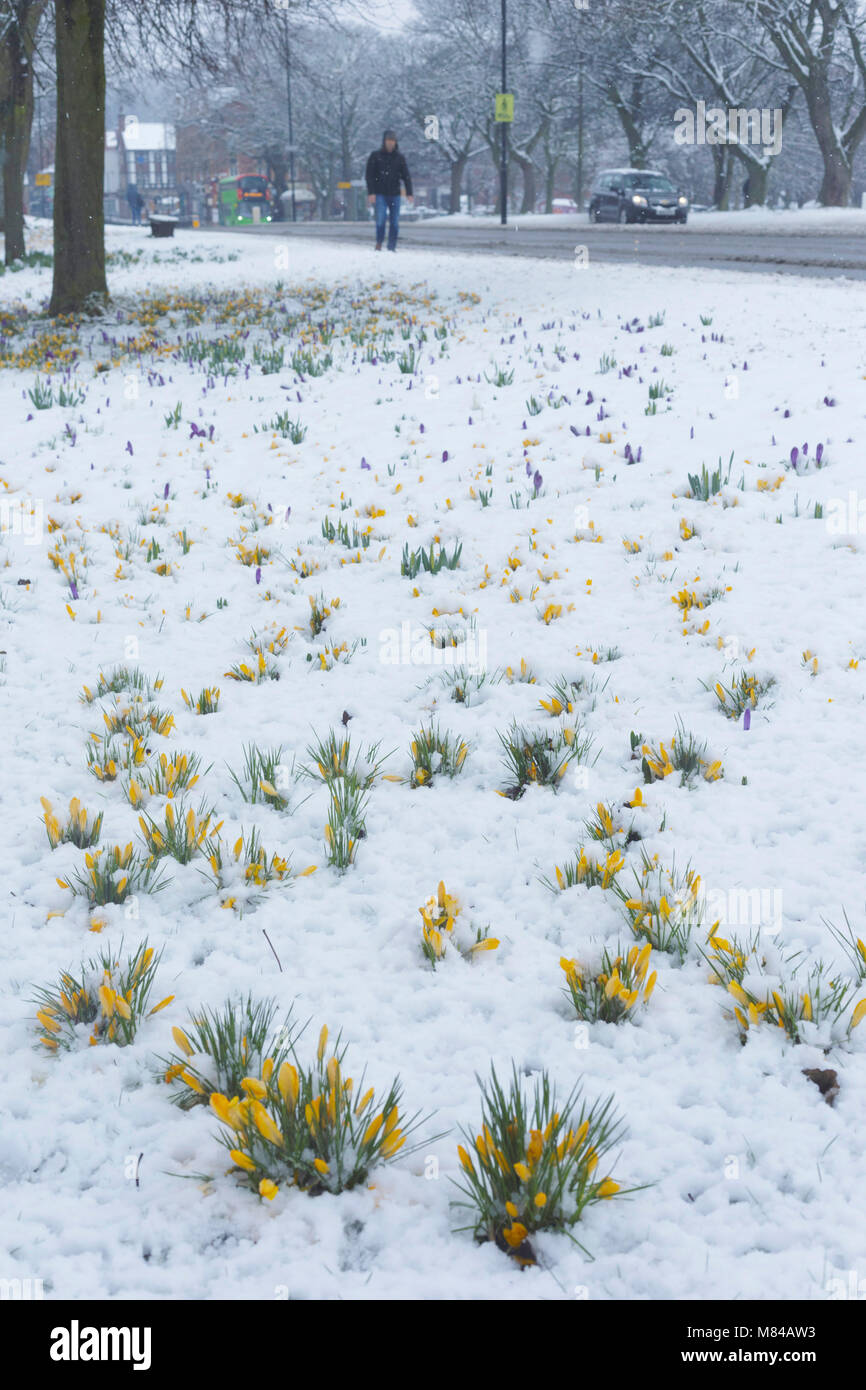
<point x="161" y="225"/>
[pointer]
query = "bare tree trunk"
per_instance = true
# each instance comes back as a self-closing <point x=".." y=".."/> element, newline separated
<point x="628" y="111"/>
<point x="79" y="219"/>
<point x="16" y="116"/>
<point x="549" y="184"/>
<point x="727" y="176"/>
<point x="458" y="168"/>
<point x="835" y="189"/>
<point x="527" y="169"/>
<point x="758" y="176"/>
<point x="16" y="132"/>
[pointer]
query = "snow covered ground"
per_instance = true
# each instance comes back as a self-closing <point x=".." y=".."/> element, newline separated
<point x="753" y="1183"/>
<point x="777" y="221"/>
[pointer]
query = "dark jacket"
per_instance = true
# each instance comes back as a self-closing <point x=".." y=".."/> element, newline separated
<point x="384" y="172"/>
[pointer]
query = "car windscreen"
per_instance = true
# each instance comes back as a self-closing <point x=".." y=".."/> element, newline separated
<point x="656" y="183"/>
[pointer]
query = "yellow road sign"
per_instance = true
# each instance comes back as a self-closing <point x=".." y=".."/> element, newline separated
<point x="344" y="185"/>
<point x="504" y="107"/>
<point x="43" y="180"/>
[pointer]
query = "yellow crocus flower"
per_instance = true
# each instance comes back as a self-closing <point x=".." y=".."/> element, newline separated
<point x="373" y="1128"/>
<point x="515" y="1235"/>
<point x="395" y="1140"/>
<point x="364" y="1100"/>
<point x="265" y="1125"/>
<point x="182" y="1041"/>
<point x="466" y="1161"/>
<point x="288" y="1084"/>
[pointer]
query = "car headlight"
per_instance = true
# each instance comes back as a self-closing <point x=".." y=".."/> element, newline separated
<point x="683" y="202"/>
<point x="638" y="200"/>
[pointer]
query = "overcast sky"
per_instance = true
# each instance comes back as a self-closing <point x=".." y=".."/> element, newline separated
<point x="389" y="14"/>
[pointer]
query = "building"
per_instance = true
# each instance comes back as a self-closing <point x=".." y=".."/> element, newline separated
<point x="211" y="146"/>
<point x="140" y="153"/>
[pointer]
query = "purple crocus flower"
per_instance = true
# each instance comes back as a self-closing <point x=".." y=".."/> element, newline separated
<point x="747" y="719"/>
<point x="129" y="446"/>
<point x="444" y="455"/>
<point x="537" y="481"/>
<point x="258" y="576"/>
<point x="364" y="463"/>
<point x="795" y="454"/>
<point x="819" y="454"/>
<point x="73" y="588"/>
<point x="166" y="490"/>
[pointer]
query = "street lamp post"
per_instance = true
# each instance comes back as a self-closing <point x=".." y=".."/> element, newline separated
<point x="291" y="131"/>
<point x="504" y="152"/>
<point x="580" y="133"/>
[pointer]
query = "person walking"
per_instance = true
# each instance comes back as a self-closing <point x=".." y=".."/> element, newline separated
<point x="136" y="202"/>
<point x="386" y="167"/>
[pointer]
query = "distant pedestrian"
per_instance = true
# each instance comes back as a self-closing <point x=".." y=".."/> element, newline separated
<point x="747" y="192"/>
<point x="386" y="167"/>
<point x="136" y="203"/>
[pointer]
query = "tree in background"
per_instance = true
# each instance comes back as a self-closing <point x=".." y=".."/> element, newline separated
<point x="19" y="26"/>
<point x="820" y="45"/>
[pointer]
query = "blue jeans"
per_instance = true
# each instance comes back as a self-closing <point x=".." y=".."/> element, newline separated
<point x="390" y="207"/>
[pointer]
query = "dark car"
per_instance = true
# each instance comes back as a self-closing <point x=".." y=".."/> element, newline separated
<point x="636" y="195"/>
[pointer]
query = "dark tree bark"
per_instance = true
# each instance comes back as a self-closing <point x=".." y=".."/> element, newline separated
<point x="16" y="116"/>
<point x="528" y="170"/>
<point x="628" y="107"/>
<point x="457" y="170"/>
<point x="79" y="220"/>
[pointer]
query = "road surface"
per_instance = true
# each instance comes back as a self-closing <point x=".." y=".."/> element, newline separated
<point x="810" y="252"/>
